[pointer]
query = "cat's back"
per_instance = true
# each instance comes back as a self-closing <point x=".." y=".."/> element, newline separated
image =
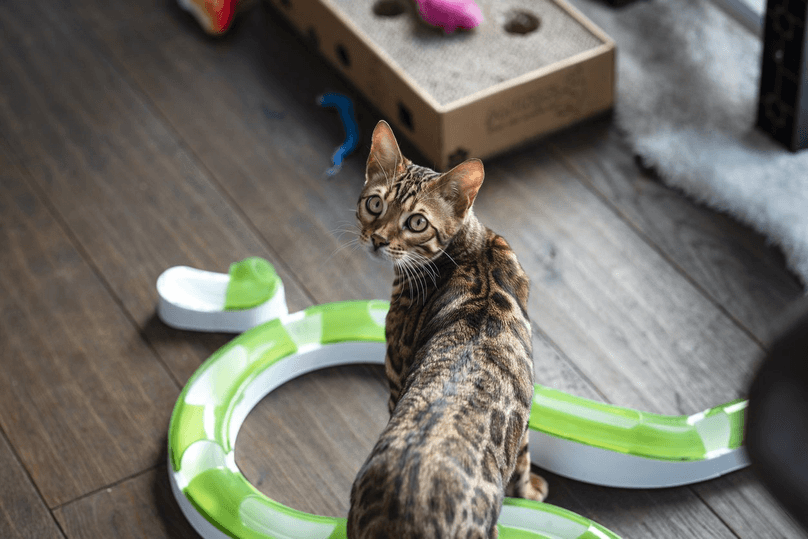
<point x="440" y="466"/>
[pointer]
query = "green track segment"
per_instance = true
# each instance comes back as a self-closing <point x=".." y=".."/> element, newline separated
<point x="653" y="436"/>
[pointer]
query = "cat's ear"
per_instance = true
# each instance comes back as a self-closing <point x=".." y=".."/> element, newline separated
<point x="385" y="160"/>
<point x="460" y="185"/>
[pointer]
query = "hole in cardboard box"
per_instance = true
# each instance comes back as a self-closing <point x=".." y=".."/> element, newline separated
<point x="388" y="8"/>
<point x="404" y="116"/>
<point x="342" y="54"/>
<point x="521" y="22"/>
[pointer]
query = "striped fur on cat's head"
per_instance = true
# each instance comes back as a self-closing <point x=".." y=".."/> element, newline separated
<point x="408" y="214"/>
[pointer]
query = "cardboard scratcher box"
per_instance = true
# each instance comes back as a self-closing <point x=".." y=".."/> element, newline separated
<point x="532" y="67"/>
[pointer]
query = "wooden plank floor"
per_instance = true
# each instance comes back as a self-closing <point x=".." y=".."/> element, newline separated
<point x="129" y="143"/>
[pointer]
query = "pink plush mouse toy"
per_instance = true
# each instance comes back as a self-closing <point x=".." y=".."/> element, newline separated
<point x="450" y="14"/>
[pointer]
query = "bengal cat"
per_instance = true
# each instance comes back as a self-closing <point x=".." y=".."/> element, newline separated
<point x="459" y="358"/>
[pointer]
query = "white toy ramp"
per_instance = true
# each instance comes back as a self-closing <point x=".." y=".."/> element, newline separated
<point x="569" y="435"/>
<point x="249" y="295"/>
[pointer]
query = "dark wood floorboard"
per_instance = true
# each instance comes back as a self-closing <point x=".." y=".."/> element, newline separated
<point x="734" y="265"/>
<point x="747" y="508"/>
<point x="138" y="508"/>
<point x="155" y="146"/>
<point x="23" y="513"/>
<point x="641" y="514"/>
<point x="135" y="199"/>
<point x="83" y="400"/>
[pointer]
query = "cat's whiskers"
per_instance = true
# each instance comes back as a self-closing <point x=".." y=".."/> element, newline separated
<point x="450" y="256"/>
<point x="412" y="277"/>
<point x="354" y="242"/>
<point x="340" y="232"/>
<point x="408" y="276"/>
<point x="427" y="265"/>
<point x="422" y="267"/>
<point x="349" y="224"/>
<point x="403" y="277"/>
<point x="421" y="279"/>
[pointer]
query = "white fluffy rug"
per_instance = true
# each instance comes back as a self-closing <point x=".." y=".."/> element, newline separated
<point x="687" y="99"/>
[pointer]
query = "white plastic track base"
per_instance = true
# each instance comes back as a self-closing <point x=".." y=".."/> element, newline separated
<point x="600" y="466"/>
<point x="194" y="299"/>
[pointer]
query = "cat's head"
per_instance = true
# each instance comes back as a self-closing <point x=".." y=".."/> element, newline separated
<point x="409" y="214"/>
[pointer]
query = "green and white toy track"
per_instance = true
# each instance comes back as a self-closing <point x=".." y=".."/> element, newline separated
<point x="571" y="436"/>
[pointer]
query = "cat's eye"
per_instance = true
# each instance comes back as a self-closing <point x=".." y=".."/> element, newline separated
<point x="374" y="205"/>
<point x="417" y="223"/>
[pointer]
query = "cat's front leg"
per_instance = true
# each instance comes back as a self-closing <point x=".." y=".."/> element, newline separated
<point x="523" y="483"/>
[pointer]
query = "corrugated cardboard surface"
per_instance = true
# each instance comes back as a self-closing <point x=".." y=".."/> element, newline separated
<point x="450" y="67"/>
<point x="472" y="93"/>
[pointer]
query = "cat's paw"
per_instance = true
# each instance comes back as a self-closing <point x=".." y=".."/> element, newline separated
<point x="538" y="488"/>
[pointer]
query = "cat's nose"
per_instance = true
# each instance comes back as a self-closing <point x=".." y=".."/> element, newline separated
<point x="378" y="241"/>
